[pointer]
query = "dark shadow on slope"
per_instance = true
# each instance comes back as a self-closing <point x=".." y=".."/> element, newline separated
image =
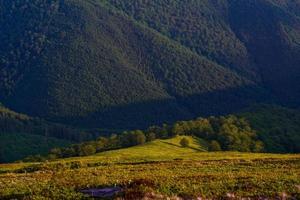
<point x="176" y="145"/>
<point x="270" y="45"/>
<point x="169" y="143"/>
<point x="144" y="114"/>
<point x="203" y="145"/>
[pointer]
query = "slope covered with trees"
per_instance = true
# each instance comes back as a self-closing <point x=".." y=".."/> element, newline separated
<point x="262" y="129"/>
<point x="17" y="146"/>
<point x="259" y="39"/>
<point x="21" y="135"/>
<point x="127" y="65"/>
<point x="259" y="128"/>
<point x="279" y="127"/>
<point x="119" y="64"/>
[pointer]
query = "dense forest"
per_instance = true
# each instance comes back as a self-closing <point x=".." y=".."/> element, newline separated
<point x="263" y="129"/>
<point x="220" y="133"/>
<point x="13" y="122"/>
<point x="258" y="39"/>
<point x="130" y="64"/>
<point x="278" y="127"/>
<point x="77" y="68"/>
<point x="21" y="135"/>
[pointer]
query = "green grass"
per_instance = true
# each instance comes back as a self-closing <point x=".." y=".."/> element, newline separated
<point x="170" y="149"/>
<point x="161" y="167"/>
<point x="156" y="150"/>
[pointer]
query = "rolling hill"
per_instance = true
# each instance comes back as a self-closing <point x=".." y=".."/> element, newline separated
<point x="265" y="128"/>
<point x="276" y="127"/>
<point x="157" y="170"/>
<point x="129" y="64"/>
<point x="78" y="66"/>
<point x="156" y="150"/>
<point x="150" y="99"/>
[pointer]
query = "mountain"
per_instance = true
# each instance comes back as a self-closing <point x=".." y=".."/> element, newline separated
<point x="259" y="39"/>
<point x="130" y="64"/>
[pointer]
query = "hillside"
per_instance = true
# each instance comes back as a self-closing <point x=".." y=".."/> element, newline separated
<point x="119" y="64"/>
<point x="156" y="170"/>
<point x="149" y="99"/>
<point x="252" y="131"/>
<point x="278" y="127"/>
<point x="22" y="135"/>
<point x="258" y="39"/>
<point x="18" y="146"/>
<point x="259" y="128"/>
<point x="156" y="150"/>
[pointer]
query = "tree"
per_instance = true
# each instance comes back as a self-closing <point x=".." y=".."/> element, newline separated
<point x="87" y="150"/>
<point x="113" y="141"/>
<point x="100" y="145"/>
<point x="139" y="137"/>
<point x="258" y="146"/>
<point x="215" y="146"/>
<point x="163" y="133"/>
<point x="52" y="157"/>
<point x="56" y="152"/>
<point x="184" y="142"/>
<point x="177" y="129"/>
<point x="151" y="136"/>
<point x="35" y="158"/>
<point x="69" y="152"/>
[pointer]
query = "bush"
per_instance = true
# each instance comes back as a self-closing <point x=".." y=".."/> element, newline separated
<point x="151" y="136"/>
<point x="258" y="147"/>
<point x="140" y="138"/>
<point x="87" y="150"/>
<point x="214" y="146"/>
<point x="184" y="142"/>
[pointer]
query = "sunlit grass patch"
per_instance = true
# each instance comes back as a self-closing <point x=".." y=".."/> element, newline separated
<point x="161" y="167"/>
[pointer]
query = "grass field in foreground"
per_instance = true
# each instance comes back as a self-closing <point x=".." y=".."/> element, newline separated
<point x="160" y="167"/>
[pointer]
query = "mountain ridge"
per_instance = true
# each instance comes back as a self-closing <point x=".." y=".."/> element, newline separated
<point x="84" y="59"/>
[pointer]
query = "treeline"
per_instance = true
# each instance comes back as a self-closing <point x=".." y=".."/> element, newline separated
<point x="278" y="127"/>
<point x="222" y="133"/>
<point x="12" y="122"/>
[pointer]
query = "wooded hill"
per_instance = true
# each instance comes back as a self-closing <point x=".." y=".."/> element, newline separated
<point x="259" y="128"/>
<point x="131" y="64"/>
<point x="21" y="135"/>
<point x="262" y="128"/>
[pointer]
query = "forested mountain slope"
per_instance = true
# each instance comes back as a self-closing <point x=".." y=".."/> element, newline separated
<point x="278" y="127"/>
<point x="256" y="38"/>
<point x="21" y="135"/>
<point x="261" y="128"/>
<point x="129" y="64"/>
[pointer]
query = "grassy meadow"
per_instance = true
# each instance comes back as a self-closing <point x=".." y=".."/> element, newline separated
<point x="158" y="170"/>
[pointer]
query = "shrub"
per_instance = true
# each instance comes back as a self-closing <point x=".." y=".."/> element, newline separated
<point x="214" y="146"/>
<point x="151" y="136"/>
<point x="184" y="142"/>
<point x="87" y="150"/>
